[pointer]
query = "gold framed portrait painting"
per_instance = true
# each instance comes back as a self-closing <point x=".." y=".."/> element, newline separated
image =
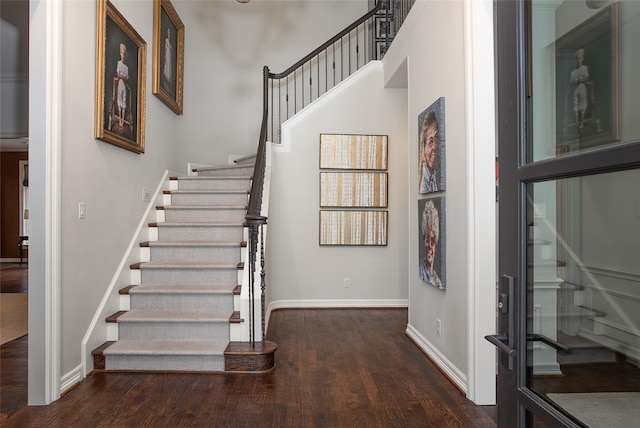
<point x="168" y="55"/>
<point x="120" y="80"/>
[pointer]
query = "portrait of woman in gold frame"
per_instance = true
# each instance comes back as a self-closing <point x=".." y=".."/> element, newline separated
<point x="168" y="55"/>
<point x="121" y="62"/>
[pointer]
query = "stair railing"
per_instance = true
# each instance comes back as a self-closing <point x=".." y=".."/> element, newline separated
<point x="286" y="93"/>
<point x="256" y="222"/>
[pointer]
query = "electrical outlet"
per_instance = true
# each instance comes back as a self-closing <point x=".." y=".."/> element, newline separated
<point x="439" y="327"/>
<point x="347" y="283"/>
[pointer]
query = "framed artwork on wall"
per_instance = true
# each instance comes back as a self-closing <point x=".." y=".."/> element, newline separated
<point x="121" y="63"/>
<point x="346" y="151"/>
<point x="168" y="55"/>
<point x="349" y="227"/>
<point x="431" y="247"/>
<point x="431" y="148"/>
<point x="353" y="189"/>
<point x="586" y="82"/>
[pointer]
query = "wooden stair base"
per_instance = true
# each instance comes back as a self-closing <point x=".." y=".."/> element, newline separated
<point x="240" y="357"/>
<point x="98" y="356"/>
<point x="245" y="357"/>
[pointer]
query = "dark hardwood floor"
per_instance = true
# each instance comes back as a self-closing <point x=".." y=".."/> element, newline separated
<point x="14" y="278"/>
<point x="334" y="368"/>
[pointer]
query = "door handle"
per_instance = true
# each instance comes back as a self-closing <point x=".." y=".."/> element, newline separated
<point x="500" y="342"/>
<point x="504" y="340"/>
<point x="544" y="339"/>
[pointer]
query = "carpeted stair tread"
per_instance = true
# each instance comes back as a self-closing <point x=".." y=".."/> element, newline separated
<point x="179" y="265"/>
<point x="206" y="192"/>
<point x="166" y="347"/>
<point x="181" y="289"/>
<point x="191" y="244"/>
<point x="201" y="207"/>
<point x="198" y="223"/>
<point x="213" y="177"/>
<point x="222" y="168"/>
<point x="149" y="315"/>
<point x="246" y="160"/>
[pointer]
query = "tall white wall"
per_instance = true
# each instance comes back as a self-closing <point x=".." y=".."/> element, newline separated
<point x="108" y="179"/>
<point x="227" y="45"/>
<point x="300" y="271"/>
<point x="446" y="48"/>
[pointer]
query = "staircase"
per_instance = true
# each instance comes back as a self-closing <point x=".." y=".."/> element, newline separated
<point x="177" y="314"/>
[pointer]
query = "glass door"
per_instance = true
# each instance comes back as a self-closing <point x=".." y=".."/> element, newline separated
<point x="569" y="213"/>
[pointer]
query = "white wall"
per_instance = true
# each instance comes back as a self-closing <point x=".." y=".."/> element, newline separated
<point x="448" y="50"/>
<point x="108" y="179"/>
<point x="300" y="271"/>
<point x="436" y="63"/>
<point x="227" y="45"/>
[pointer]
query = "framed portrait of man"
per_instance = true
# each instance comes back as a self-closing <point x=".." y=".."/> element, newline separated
<point x="431" y="148"/>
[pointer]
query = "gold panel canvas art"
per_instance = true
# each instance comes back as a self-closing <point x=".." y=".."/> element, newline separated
<point x="348" y="227"/>
<point x="353" y="189"/>
<point x="344" y="151"/>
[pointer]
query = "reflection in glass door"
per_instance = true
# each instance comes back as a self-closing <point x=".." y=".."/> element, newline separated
<point x="569" y="213"/>
<point x="583" y="300"/>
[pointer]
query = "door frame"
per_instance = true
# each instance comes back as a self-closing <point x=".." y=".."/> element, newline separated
<point x="513" y="107"/>
<point x="45" y="147"/>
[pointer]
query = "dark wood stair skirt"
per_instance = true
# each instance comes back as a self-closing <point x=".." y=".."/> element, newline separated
<point x="244" y="357"/>
<point x="240" y="357"/>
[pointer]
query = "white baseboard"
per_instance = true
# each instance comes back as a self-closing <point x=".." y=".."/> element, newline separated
<point x="454" y="375"/>
<point x="71" y="379"/>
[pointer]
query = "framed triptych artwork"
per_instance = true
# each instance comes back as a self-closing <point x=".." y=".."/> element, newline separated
<point x="354" y="184"/>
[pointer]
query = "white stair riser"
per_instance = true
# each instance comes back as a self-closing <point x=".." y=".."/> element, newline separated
<point x="217" y="302"/>
<point x="189" y="276"/>
<point x="218" y="331"/>
<point x="219" y="254"/>
<point x="216" y="198"/>
<point x="200" y="233"/>
<point x="214" y="183"/>
<point x="166" y="362"/>
<point x="177" y="215"/>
